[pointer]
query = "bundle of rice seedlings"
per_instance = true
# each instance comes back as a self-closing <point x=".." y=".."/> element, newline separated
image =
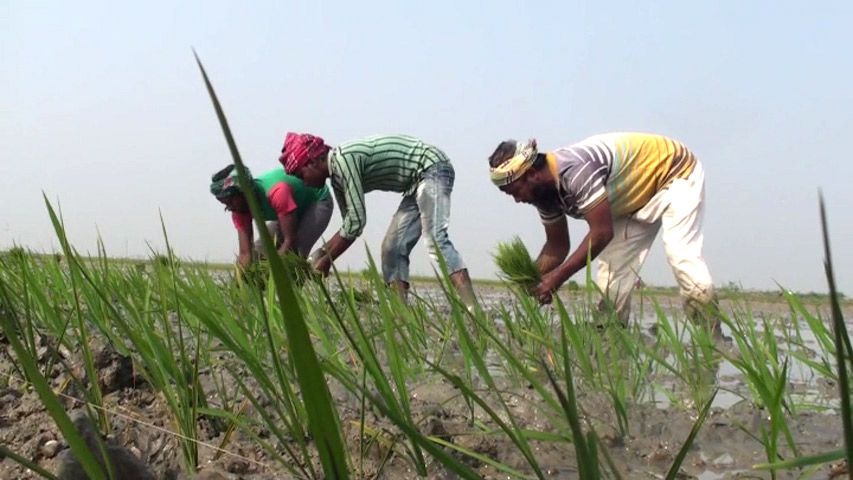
<point x="255" y="274"/>
<point x="300" y="269"/>
<point x="359" y="296"/>
<point x="515" y="264"/>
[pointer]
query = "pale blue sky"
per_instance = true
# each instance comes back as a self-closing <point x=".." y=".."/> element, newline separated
<point x="102" y="108"/>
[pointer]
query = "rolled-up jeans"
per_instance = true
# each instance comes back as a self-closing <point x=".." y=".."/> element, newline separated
<point x="426" y="211"/>
<point x="311" y="225"/>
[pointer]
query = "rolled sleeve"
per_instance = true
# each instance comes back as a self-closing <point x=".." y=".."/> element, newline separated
<point x="349" y="190"/>
<point x="281" y="199"/>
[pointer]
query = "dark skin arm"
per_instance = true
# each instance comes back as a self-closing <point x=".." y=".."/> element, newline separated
<point x="556" y="246"/>
<point x="287" y="224"/>
<point x="333" y="249"/>
<point x="244" y="259"/>
<point x="599" y="235"/>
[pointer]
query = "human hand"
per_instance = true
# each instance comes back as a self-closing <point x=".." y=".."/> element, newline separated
<point x="322" y="265"/>
<point x="546" y="288"/>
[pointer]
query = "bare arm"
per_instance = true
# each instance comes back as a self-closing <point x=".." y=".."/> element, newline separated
<point x="556" y="247"/>
<point x="332" y="250"/>
<point x="244" y="259"/>
<point x="287" y="224"/>
<point x="600" y="234"/>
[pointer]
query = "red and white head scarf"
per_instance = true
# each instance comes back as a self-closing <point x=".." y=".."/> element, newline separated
<point x="299" y="148"/>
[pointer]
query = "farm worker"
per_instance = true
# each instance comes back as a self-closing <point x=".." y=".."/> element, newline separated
<point x="296" y="214"/>
<point x="422" y="173"/>
<point x="627" y="187"/>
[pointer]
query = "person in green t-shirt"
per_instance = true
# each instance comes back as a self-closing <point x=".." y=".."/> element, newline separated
<point x="295" y="214"/>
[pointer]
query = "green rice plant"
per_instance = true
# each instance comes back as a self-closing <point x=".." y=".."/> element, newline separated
<point x="299" y="269"/>
<point x="254" y="275"/>
<point x="398" y="347"/>
<point x="322" y="418"/>
<point x="674" y="470"/>
<point x="168" y="364"/>
<point x="516" y="265"/>
<point x="48" y="397"/>
<point x="389" y="336"/>
<point x="284" y="417"/>
<point x="586" y="446"/>
<point x="641" y="367"/>
<point x="371" y="382"/>
<point x="821" y="361"/>
<point x="686" y="351"/>
<point x="13" y="265"/>
<point x="843" y="349"/>
<point x="475" y="357"/>
<point x="75" y="276"/>
<point x="765" y="371"/>
<point x="843" y="364"/>
<point x="599" y="354"/>
<point x="185" y="366"/>
<point x="296" y="266"/>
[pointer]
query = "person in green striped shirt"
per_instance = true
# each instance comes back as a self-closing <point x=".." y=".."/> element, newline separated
<point x="420" y="172"/>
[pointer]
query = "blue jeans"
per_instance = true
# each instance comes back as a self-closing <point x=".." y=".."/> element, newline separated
<point x="427" y="211"/>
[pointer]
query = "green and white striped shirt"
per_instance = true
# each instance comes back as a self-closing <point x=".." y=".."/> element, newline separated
<point x="389" y="163"/>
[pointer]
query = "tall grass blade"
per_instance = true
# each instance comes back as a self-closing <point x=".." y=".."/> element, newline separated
<point x="26" y="462"/>
<point x="323" y="421"/>
<point x="584" y="445"/>
<point x="697" y="425"/>
<point x="843" y="352"/>
<point x="801" y="462"/>
<point x="51" y="401"/>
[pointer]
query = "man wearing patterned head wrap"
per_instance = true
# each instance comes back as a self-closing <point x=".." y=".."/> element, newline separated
<point x="393" y="163"/>
<point x="296" y="215"/>
<point x="299" y="149"/>
<point x="627" y="186"/>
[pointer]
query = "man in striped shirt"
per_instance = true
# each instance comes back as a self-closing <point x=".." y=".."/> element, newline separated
<point x="627" y="186"/>
<point x="420" y="172"/>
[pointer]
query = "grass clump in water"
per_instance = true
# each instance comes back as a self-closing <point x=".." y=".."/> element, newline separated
<point x="516" y="265"/>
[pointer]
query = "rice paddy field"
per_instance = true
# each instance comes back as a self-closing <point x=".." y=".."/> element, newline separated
<point x="192" y="371"/>
<point x="191" y="374"/>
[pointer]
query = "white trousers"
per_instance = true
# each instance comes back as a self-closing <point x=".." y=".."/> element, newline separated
<point x="679" y="209"/>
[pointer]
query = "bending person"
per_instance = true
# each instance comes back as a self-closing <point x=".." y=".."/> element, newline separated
<point x="295" y="214"/>
<point x="420" y="172"/>
<point x="627" y="187"/>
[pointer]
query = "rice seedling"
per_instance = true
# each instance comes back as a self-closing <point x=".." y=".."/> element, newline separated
<point x="820" y="330"/>
<point x="374" y="350"/>
<point x="765" y="371"/>
<point x="295" y="372"/>
<point x="516" y="264"/>
<point x="51" y="401"/>
<point x="258" y="272"/>
<point x="317" y="401"/>
<point x="843" y="364"/>
<point x="685" y="350"/>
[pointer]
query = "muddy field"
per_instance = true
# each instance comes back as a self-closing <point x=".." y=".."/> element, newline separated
<point x="139" y="420"/>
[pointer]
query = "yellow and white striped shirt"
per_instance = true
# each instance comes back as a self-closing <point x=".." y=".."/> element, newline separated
<point x="626" y="168"/>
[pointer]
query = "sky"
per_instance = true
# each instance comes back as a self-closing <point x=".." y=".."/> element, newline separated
<point x="103" y="112"/>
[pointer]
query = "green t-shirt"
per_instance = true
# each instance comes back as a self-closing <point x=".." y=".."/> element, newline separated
<point x="303" y="195"/>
